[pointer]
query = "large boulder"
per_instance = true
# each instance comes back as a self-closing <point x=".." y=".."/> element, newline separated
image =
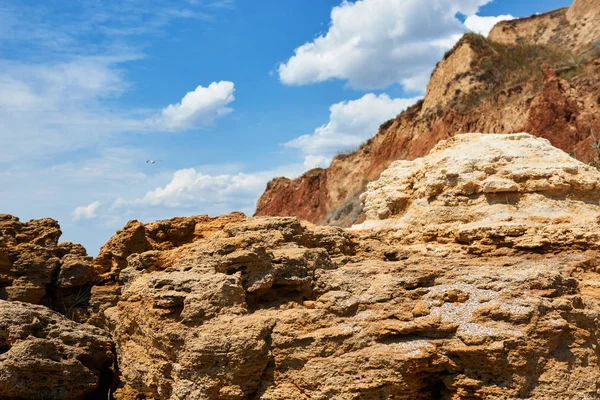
<point x="35" y="268"/>
<point x="271" y="308"/>
<point x="196" y="321"/>
<point x="43" y="355"/>
<point x="513" y="190"/>
<point x="475" y="276"/>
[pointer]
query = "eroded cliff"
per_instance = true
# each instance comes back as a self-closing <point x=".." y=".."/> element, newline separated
<point x="539" y="75"/>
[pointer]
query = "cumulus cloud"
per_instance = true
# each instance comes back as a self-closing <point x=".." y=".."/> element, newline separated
<point x="483" y="25"/>
<point x="197" y="108"/>
<point x="350" y="124"/>
<point x="375" y="43"/>
<point x="191" y="189"/>
<point x="189" y="186"/>
<point x="86" y="212"/>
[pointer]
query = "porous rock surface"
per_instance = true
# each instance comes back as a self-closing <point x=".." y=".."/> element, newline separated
<point x="272" y="308"/>
<point x="136" y="238"/>
<point x="35" y="268"/>
<point x="195" y="321"/>
<point x="510" y="190"/>
<point x="43" y="355"/>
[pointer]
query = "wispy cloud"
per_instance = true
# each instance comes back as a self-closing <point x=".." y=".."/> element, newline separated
<point x="61" y="86"/>
<point x="48" y="108"/>
<point x="89" y="26"/>
<point x="63" y="75"/>
<point x="229" y="4"/>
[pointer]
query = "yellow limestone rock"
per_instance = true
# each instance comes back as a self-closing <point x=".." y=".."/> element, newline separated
<point x="514" y="190"/>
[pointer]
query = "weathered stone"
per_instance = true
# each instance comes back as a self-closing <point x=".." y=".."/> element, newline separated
<point x="34" y="268"/>
<point x="475" y="275"/>
<point x="271" y="308"/>
<point x="45" y="356"/>
<point x="512" y="190"/>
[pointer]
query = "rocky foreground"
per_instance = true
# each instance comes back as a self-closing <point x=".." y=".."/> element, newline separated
<point x="475" y="276"/>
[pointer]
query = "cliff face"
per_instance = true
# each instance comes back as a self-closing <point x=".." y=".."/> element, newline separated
<point x="538" y="75"/>
<point x="283" y="194"/>
<point x="475" y="276"/>
<point x="573" y="28"/>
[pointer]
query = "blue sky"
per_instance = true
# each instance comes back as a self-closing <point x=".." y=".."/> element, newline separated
<point x="226" y="94"/>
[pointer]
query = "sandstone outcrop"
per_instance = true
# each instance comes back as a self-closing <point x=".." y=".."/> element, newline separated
<point x="45" y="356"/>
<point x="538" y="75"/>
<point x="35" y="268"/>
<point x="473" y="272"/>
<point x="185" y="324"/>
<point x="476" y="278"/>
<point x="510" y="190"/>
<point x="421" y="328"/>
<point x="137" y="238"/>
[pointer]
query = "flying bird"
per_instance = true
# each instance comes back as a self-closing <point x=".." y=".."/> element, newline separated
<point x="152" y="161"/>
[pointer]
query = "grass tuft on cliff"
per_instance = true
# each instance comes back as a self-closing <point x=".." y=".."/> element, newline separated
<point x="500" y="66"/>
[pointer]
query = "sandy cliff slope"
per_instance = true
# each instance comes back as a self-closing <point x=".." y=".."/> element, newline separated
<point x="539" y="75"/>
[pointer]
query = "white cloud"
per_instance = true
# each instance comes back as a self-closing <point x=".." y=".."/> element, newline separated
<point x="312" y="161"/>
<point x="197" y="108"/>
<point x="483" y="25"/>
<point x="189" y="186"/>
<point x="54" y="107"/>
<point x="86" y="212"/>
<point x="350" y="124"/>
<point x="47" y="109"/>
<point x="16" y="95"/>
<point x="190" y="189"/>
<point x="375" y="43"/>
<point x="61" y="92"/>
<point x="62" y="116"/>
